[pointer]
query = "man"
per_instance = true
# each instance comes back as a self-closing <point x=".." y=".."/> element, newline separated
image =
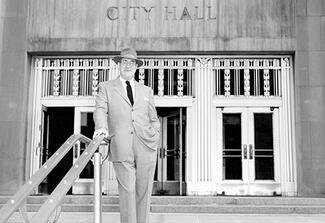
<point x="126" y="109"/>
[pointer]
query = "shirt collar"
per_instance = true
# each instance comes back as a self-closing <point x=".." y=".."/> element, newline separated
<point x="131" y="83"/>
<point x="123" y="80"/>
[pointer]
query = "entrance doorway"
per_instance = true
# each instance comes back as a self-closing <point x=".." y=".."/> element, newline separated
<point x="170" y="170"/>
<point x="57" y="126"/>
<point x="249" y="150"/>
<point x="169" y="177"/>
<point x="83" y="124"/>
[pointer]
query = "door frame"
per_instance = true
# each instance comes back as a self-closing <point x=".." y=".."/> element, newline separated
<point x="248" y="185"/>
<point x="82" y="185"/>
<point x="160" y="183"/>
<point x="276" y="141"/>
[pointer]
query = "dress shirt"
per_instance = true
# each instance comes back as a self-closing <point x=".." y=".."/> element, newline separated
<point x="124" y="86"/>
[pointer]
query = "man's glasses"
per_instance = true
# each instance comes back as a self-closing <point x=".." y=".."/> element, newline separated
<point x="126" y="62"/>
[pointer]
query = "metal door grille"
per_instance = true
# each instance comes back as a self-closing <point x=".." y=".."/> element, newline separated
<point x="81" y="76"/>
<point x="248" y="77"/>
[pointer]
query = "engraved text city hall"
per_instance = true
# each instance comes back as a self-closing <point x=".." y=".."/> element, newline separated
<point x="167" y="13"/>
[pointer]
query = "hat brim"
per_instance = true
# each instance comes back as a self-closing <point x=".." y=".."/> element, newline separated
<point x="118" y="59"/>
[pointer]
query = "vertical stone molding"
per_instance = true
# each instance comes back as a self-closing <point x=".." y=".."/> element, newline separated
<point x="204" y="118"/>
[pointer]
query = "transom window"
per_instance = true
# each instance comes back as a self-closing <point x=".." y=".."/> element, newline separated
<point x="168" y="76"/>
<point x="81" y="76"/>
<point x="251" y="77"/>
<point x="248" y="77"/>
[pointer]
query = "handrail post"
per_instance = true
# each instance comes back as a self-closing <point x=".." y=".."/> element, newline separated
<point x="97" y="188"/>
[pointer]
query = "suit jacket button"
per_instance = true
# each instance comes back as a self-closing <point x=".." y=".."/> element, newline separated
<point x="131" y="132"/>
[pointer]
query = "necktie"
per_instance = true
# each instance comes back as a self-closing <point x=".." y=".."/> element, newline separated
<point x="129" y="91"/>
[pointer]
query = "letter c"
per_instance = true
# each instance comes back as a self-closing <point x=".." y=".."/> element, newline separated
<point x="112" y="13"/>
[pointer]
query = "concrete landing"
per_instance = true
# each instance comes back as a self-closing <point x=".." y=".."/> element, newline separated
<point x="82" y="217"/>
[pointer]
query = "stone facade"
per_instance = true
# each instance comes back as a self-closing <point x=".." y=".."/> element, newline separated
<point x="309" y="96"/>
<point x="44" y="27"/>
<point x="14" y="82"/>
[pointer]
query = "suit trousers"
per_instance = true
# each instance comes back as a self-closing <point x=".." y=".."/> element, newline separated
<point x="135" y="181"/>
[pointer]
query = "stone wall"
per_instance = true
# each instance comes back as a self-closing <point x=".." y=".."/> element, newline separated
<point x="198" y="25"/>
<point x="310" y="96"/>
<point x="13" y="94"/>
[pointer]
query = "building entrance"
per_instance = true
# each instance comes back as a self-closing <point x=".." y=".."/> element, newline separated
<point x="219" y="114"/>
<point x="249" y="139"/>
<point x="170" y="169"/>
<point x="83" y="124"/>
<point x="57" y="126"/>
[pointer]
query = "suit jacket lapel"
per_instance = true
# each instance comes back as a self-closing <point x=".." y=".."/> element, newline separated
<point x="119" y="88"/>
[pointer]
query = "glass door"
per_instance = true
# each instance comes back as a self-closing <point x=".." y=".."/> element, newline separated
<point x="170" y="171"/>
<point x="84" y="124"/>
<point x="44" y="147"/>
<point x="250" y="151"/>
<point x="262" y="142"/>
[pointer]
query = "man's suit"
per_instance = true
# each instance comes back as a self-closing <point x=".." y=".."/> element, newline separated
<point x="133" y="147"/>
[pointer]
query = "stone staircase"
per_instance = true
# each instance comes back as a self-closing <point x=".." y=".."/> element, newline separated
<point x="193" y="204"/>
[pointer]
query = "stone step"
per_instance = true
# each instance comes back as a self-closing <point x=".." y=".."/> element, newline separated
<point x="215" y="209"/>
<point x="238" y="209"/>
<point x="113" y="217"/>
<point x="193" y="204"/>
<point x="186" y="200"/>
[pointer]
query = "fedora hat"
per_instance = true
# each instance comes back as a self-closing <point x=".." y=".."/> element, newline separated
<point x="128" y="53"/>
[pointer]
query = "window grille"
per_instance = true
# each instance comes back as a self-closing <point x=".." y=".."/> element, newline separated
<point x="248" y="77"/>
<point x="81" y="76"/>
<point x="73" y="77"/>
<point x="168" y="76"/>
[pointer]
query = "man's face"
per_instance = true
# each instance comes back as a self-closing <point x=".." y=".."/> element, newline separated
<point x="128" y="68"/>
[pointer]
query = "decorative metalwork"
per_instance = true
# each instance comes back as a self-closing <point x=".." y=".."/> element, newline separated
<point x="141" y="76"/>
<point x="227" y="82"/>
<point x="161" y="82"/>
<point x="73" y="76"/>
<point x="249" y="76"/>
<point x="204" y="61"/>
<point x="80" y="77"/>
<point x="75" y="88"/>
<point x="246" y="83"/>
<point x="266" y="82"/>
<point x="95" y="82"/>
<point x="180" y="78"/>
<point x="56" y="83"/>
<point x="163" y="76"/>
<point x="166" y="76"/>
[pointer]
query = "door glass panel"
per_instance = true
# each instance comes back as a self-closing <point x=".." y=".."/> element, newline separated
<point x="232" y="137"/>
<point x="170" y="167"/>
<point x="264" y="159"/>
<point x="172" y="152"/>
<point x="87" y="128"/>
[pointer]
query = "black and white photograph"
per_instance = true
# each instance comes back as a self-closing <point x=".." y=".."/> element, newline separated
<point x="161" y="111"/>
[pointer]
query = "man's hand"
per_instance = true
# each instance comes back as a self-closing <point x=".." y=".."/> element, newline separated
<point x="101" y="131"/>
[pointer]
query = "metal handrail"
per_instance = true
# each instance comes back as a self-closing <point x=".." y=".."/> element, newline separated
<point x="55" y="199"/>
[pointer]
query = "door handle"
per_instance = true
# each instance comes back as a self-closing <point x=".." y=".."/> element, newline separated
<point x="250" y="151"/>
<point x="245" y="152"/>
<point x="162" y="153"/>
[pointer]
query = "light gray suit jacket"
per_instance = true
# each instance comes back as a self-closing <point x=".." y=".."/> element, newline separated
<point x="115" y="112"/>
